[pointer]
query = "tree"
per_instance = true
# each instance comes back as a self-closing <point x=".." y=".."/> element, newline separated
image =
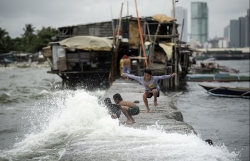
<point x="44" y="37"/>
<point x="31" y="41"/>
<point x="7" y="44"/>
<point x="4" y="40"/>
<point x="18" y="44"/>
<point x="28" y="30"/>
<point x="29" y="38"/>
<point x="3" y="33"/>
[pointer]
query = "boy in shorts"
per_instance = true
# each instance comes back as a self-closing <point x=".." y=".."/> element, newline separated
<point x="128" y="108"/>
<point x="150" y="83"/>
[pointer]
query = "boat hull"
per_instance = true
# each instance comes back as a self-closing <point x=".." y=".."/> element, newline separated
<point x="204" y="70"/>
<point x="217" y="78"/>
<point x="221" y="91"/>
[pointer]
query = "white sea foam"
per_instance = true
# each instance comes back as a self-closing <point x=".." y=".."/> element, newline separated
<point x="79" y="126"/>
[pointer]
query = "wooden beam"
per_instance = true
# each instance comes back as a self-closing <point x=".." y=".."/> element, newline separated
<point x="137" y="57"/>
<point x="74" y="72"/>
<point x="162" y="36"/>
<point x="170" y="23"/>
<point x="153" y="45"/>
<point x="50" y="63"/>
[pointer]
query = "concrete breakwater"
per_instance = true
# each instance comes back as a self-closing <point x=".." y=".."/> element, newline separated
<point x="165" y="117"/>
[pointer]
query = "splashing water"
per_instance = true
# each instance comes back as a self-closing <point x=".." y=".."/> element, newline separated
<point x="71" y="125"/>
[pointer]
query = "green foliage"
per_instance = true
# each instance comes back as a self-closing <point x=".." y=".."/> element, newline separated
<point x="18" y="44"/>
<point x="28" y="38"/>
<point x="44" y="37"/>
<point x="4" y="41"/>
<point x="7" y="46"/>
<point x="31" y="41"/>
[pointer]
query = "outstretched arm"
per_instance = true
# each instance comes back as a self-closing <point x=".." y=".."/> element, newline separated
<point x="131" y="76"/>
<point x="123" y="75"/>
<point x="164" y="76"/>
<point x="173" y="75"/>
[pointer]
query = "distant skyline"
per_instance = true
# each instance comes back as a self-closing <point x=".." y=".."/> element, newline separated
<point x="199" y="22"/>
<point x="14" y="14"/>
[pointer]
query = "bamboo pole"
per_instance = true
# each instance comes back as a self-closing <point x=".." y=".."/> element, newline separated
<point x="127" y="9"/>
<point x="175" y="54"/>
<point x="115" y="52"/>
<point x="50" y="63"/>
<point x="149" y="32"/>
<point x="182" y="25"/>
<point x="153" y="44"/>
<point x="118" y="30"/>
<point x="112" y="21"/>
<point x="180" y="40"/>
<point x="139" y="26"/>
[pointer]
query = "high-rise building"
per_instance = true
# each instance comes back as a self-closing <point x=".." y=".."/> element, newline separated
<point x="239" y="31"/>
<point x="243" y="21"/>
<point x="227" y="33"/>
<point x="199" y="21"/>
<point x="248" y="28"/>
<point x="180" y="15"/>
<point x="234" y="33"/>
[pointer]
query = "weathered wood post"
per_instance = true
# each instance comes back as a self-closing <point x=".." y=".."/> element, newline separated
<point x="153" y="46"/>
<point x="116" y="43"/>
<point x="175" y="53"/>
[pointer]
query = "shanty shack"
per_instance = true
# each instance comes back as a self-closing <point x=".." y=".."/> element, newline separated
<point x="80" y="60"/>
<point x="77" y="58"/>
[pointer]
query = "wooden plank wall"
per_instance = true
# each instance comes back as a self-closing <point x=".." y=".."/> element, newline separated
<point x="103" y="29"/>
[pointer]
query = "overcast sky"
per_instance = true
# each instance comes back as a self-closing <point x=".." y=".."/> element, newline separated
<point x="14" y="14"/>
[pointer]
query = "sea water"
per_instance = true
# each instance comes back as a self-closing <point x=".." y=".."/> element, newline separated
<point x="39" y="121"/>
<point x="224" y="120"/>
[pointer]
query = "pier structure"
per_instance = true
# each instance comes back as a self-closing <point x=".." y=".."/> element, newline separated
<point x="155" y="45"/>
<point x="166" y="113"/>
<point x="222" y="53"/>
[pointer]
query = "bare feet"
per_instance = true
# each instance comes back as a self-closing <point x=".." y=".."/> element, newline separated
<point x="155" y="102"/>
<point x="147" y="110"/>
<point x="128" y="122"/>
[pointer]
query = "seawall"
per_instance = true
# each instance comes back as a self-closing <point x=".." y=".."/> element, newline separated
<point x="165" y="115"/>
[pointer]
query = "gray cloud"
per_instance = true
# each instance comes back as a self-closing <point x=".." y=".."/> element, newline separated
<point x="14" y="14"/>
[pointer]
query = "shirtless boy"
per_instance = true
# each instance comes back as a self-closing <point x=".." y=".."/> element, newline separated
<point x="128" y="108"/>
